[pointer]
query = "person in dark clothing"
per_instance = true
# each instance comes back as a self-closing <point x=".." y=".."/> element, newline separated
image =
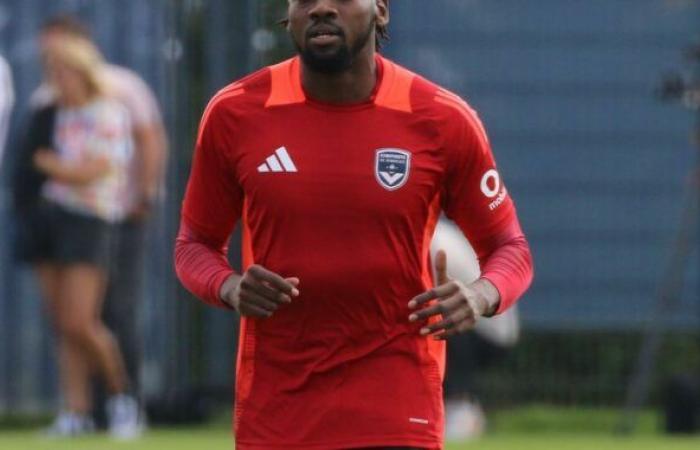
<point x="26" y="182"/>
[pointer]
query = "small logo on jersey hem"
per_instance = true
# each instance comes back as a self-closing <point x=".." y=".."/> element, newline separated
<point x="392" y="168"/>
<point x="280" y="161"/>
<point x="418" y="420"/>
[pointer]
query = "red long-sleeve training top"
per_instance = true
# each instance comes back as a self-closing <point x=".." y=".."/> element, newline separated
<point x="345" y="198"/>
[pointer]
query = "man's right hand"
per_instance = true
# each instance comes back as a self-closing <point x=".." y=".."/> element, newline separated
<point x="258" y="292"/>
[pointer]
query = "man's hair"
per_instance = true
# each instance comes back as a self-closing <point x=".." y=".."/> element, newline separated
<point x="381" y="31"/>
<point x="381" y="35"/>
<point x="67" y="24"/>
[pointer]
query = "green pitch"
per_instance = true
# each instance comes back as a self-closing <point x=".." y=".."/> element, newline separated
<point x="220" y="440"/>
<point x="524" y="429"/>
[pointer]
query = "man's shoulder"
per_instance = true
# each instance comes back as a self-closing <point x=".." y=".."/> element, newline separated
<point x="238" y="99"/>
<point x="426" y="96"/>
<point x="429" y="101"/>
<point x="245" y="94"/>
<point x="441" y="102"/>
<point x="420" y="86"/>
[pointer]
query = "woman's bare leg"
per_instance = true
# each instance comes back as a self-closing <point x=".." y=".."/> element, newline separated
<point x="81" y="296"/>
<point x="74" y="369"/>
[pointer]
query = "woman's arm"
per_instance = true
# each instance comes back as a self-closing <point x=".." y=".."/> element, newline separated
<point x="81" y="173"/>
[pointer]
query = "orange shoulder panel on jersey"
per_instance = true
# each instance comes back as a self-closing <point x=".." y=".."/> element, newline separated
<point x="395" y="91"/>
<point x="285" y="86"/>
<point x="446" y="97"/>
<point x="230" y="91"/>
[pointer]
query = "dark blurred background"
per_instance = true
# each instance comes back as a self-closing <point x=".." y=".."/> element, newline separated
<point x="600" y="168"/>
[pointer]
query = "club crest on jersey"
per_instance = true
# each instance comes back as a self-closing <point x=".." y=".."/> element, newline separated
<point x="392" y="167"/>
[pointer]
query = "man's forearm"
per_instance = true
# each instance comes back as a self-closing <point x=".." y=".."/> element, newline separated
<point x="510" y="270"/>
<point x="202" y="268"/>
<point x="489" y="294"/>
<point x="228" y="286"/>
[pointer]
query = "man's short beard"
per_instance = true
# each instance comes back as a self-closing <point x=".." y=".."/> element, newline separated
<point x="338" y="62"/>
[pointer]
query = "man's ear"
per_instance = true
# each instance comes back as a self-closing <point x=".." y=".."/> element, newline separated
<point x="382" y="12"/>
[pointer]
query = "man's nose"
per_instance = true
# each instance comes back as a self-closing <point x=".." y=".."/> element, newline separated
<point x="324" y="9"/>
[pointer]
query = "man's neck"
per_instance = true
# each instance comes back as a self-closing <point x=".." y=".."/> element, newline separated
<point x="351" y="86"/>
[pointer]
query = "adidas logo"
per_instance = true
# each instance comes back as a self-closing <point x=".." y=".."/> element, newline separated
<point x="278" y="162"/>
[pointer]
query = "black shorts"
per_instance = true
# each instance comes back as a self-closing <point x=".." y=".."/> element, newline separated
<point x="50" y="233"/>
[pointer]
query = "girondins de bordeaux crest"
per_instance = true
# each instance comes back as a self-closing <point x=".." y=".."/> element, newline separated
<point x="392" y="167"/>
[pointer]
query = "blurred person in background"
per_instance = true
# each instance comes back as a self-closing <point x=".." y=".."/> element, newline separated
<point x="124" y="297"/>
<point x="338" y="163"/>
<point x="84" y="193"/>
<point x="7" y="100"/>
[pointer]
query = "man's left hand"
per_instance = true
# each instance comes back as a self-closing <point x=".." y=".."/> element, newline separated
<point x="459" y="305"/>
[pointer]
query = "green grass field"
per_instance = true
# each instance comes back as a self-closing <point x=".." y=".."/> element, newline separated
<point x="524" y="429"/>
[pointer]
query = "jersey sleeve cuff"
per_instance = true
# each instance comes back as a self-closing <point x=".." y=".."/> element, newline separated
<point x="502" y="285"/>
<point x="216" y="283"/>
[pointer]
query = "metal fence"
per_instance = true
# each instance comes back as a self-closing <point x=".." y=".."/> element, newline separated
<point x="597" y="166"/>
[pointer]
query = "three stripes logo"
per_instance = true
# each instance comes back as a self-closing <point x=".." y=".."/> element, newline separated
<point x="280" y="161"/>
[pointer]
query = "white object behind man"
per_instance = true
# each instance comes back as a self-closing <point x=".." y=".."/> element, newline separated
<point x="7" y="100"/>
<point x="502" y="330"/>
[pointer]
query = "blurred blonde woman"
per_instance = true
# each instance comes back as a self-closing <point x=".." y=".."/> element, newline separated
<point x="86" y="169"/>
